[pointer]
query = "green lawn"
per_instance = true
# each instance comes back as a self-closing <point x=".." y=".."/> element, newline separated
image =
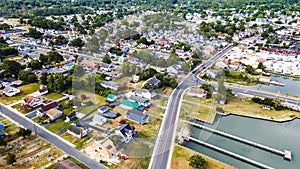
<point x="65" y="107"/>
<point x="53" y="96"/>
<point x="25" y="90"/>
<point x="59" y="125"/>
<point x="248" y="108"/>
<point x="78" y="142"/>
<point x="95" y="98"/>
<point x="181" y="155"/>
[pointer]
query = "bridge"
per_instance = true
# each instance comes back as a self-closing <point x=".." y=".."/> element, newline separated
<point x="286" y="154"/>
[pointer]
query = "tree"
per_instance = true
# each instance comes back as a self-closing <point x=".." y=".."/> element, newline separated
<point x="78" y="70"/>
<point x="43" y="78"/>
<point x="60" y="40"/>
<point x="2" y="142"/>
<point x="27" y="76"/>
<point x="10" y="158"/>
<point x="77" y="42"/>
<point x="196" y="161"/>
<point x="34" y="64"/>
<point x="34" y="33"/>
<point x="106" y="59"/>
<point x="260" y="66"/>
<point x="11" y="67"/>
<point x="24" y="132"/>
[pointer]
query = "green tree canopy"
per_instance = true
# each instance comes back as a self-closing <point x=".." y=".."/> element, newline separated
<point x="197" y="162"/>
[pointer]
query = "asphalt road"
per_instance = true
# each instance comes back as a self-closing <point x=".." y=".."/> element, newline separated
<point x="161" y="156"/>
<point x="50" y="137"/>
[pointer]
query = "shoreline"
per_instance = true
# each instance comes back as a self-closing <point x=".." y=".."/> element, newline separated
<point x="260" y="118"/>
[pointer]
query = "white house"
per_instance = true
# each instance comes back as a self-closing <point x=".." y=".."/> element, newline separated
<point x="147" y="94"/>
<point x="76" y="131"/>
<point x="126" y="132"/>
<point x="32" y="101"/>
<point x="106" y="67"/>
<point x="102" y="109"/>
<point x="54" y="114"/>
<point x="98" y="119"/>
<point x="110" y="85"/>
<point x="11" y="91"/>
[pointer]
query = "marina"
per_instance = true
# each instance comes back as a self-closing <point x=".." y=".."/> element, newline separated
<point x="269" y="143"/>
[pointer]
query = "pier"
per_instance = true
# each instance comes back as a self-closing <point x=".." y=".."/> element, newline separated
<point x="286" y="154"/>
<point x="250" y="161"/>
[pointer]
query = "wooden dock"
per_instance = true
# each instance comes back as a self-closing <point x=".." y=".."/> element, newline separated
<point x="286" y="154"/>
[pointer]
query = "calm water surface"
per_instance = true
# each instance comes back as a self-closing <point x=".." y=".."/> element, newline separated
<point x="281" y="136"/>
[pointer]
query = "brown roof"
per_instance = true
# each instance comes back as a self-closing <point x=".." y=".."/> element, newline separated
<point x="28" y="99"/>
<point x="52" y="112"/>
<point x="49" y="106"/>
<point x="66" y="164"/>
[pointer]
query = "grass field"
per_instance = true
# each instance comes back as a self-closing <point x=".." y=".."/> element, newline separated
<point x="59" y="125"/>
<point x="78" y="142"/>
<point x="249" y="108"/>
<point x="25" y="90"/>
<point x="198" y="108"/>
<point x="181" y="155"/>
<point x="53" y="96"/>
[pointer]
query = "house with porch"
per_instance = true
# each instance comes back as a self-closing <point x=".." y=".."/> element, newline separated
<point x="147" y="94"/>
<point x="153" y="80"/>
<point x="32" y="101"/>
<point x="128" y="104"/>
<point x="126" y="132"/>
<point x="110" y="85"/>
<point x="197" y="92"/>
<point x="111" y="97"/>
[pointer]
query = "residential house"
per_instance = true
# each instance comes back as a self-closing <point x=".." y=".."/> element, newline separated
<point x="174" y="69"/>
<point x="147" y="94"/>
<point x="43" y="110"/>
<point x="135" y="78"/>
<point x="126" y="132"/>
<point x="110" y="85"/>
<point x="106" y="67"/>
<point x="137" y="116"/>
<point x="111" y="97"/>
<point x="141" y="101"/>
<point x="211" y="73"/>
<point x="11" y="91"/>
<point x="66" y="164"/>
<point x="32" y="101"/>
<point x="71" y="117"/>
<point x="98" y="119"/>
<point x="103" y="111"/>
<point x="43" y="89"/>
<point x="54" y="114"/>
<point x="221" y="64"/>
<point x="76" y="131"/>
<point x="197" y="92"/>
<point x="127" y="104"/>
<point x="152" y="80"/>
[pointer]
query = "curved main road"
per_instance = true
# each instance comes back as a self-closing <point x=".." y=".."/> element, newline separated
<point x="161" y="156"/>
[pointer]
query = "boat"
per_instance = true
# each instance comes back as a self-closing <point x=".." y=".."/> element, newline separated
<point x="276" y="82"/>
<point x="266" y="74"/>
